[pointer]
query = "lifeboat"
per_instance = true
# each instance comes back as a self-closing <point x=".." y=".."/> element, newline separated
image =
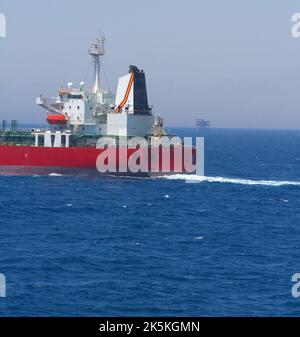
<point x="57" y="119"/>
<point x="64" y="91"/>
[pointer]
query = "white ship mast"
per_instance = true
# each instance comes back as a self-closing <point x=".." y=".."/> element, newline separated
<point x="97" y="50"/>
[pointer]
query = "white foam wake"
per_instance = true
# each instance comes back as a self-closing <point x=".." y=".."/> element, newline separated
<point x="239" y="181"/>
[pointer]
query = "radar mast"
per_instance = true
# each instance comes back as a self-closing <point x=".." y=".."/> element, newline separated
<point x="96" y="51"/>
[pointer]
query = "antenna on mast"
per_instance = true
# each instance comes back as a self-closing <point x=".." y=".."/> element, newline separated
<point x="96" y="51"/>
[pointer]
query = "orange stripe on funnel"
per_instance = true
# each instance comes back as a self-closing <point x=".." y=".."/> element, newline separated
<point x="121" y="105"/>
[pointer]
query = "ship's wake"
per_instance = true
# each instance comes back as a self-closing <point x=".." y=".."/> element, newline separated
<point x="239" y="181"/>
<point x="55" y="175"/>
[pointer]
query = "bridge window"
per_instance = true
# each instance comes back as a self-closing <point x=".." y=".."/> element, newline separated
<point x="75" y="97"/>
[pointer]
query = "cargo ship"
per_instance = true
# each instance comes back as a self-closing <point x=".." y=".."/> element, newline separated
<point x="81" y="116"/>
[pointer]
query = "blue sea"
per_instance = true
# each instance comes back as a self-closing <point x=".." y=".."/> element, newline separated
<point x="226" y="245"/>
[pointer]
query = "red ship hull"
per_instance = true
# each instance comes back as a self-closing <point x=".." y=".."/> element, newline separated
<point x="45" y="160"/>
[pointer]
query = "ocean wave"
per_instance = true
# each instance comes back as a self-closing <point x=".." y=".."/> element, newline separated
<point x="55" y="175"/>
<point x="239" y="181"/>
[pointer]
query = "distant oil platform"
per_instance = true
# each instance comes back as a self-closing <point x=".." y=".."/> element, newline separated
<point x="202" y="123"/>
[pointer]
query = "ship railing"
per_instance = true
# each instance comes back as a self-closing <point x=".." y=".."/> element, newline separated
<point x="20" y="130"/>
<point x="2" y="136"/>
<point x="39" y="129"/>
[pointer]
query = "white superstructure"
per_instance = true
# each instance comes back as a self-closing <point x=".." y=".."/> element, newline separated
<point x="98" y="112"/>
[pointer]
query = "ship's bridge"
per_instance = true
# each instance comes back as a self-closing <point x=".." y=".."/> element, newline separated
<point x="98" y="112"/>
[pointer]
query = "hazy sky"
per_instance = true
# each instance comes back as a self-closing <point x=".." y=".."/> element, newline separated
<point x="233" y="62"/>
